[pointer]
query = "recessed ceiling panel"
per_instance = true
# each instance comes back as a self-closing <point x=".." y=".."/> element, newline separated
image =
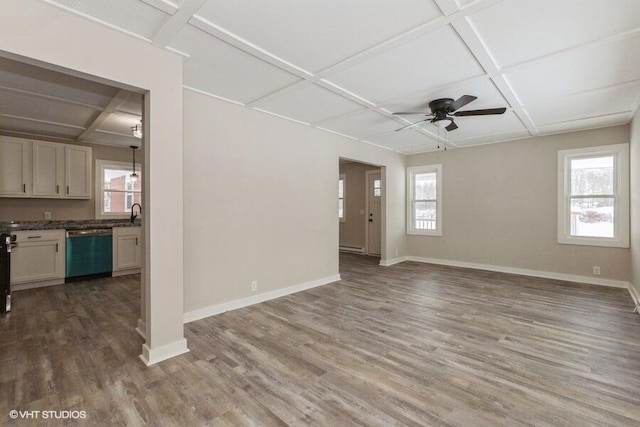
<point x="31" y="106"/>
<point x="25" y="77"/>
<point x="476" y="126"/>
<point x="317" y="34"/>
<point x="28" y="127"/>
<point x="492" y="139"/>
<point x="310" y="104"/>
<point x="133" y="16"/>
<point x="577" y="71"/>
<point x="133" y="105"/>
<point x="105" y="138"/>
<point x="223" y="70"/>
<point x="516" y="31"/>
<point x="435" y="59"/>
<point x="588" y="123"/>
<point x="602" y="102"/>
<point x="119" y="123"/>
<point x="362" y="124"/>
<point x="404" y="140"/>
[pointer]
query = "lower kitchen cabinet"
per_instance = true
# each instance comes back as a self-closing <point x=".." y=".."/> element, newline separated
<point x="38" y="258"/>
<point x="127" y="250"/>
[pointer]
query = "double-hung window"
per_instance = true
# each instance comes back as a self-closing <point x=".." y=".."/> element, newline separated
<point x="424" y="200"/>
<point x="341" y="194"/>
<point x="593" y="196"/>
<point x="116" y="190"/>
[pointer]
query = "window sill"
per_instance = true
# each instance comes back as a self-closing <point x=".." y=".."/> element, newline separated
<point x="590" y="241"/>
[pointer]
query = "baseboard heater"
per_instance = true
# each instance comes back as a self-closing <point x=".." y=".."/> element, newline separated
<point x="351" y="249"/>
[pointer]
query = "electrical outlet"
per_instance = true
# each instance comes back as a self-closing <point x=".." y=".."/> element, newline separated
<point x="254" y="285"/>
<point x="596" y="270"/>
<point x="47" y="215"/>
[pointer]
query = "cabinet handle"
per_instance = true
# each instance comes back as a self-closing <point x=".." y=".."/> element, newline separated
<point x="57" y="189"/>
<point x="136" y="241"/>
<point x="24" y="188"/>
<point x="34" y="237"/>
<point x="67" y="189"/>
<point x="56" y="247"/>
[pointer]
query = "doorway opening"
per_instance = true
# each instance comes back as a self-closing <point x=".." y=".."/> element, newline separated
<point x="360" y="207"/>
<point x="75" y="133"/>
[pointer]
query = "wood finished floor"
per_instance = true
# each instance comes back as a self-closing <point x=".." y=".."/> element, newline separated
<point x="412" y="344"/>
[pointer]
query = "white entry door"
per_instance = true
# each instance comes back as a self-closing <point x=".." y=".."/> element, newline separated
<point x="374" y="197"/>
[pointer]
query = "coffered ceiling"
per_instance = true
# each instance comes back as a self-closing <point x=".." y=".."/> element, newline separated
<point x="344" y="66"/>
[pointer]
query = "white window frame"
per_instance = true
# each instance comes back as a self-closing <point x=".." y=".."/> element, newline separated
<point x="411" y="173"/>
<point x="99" y="186"/>
<point x="343" y="177"/>
<point x="620" y="195"/>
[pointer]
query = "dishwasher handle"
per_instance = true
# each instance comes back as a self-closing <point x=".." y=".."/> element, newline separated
<point x="88" y="233"/>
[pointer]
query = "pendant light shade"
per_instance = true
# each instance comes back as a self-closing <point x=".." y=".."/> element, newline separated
<point x="134" y="175"/>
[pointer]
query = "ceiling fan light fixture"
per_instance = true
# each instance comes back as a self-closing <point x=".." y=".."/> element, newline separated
<point x="442" y="123"/>
<point x="137" y="130"/>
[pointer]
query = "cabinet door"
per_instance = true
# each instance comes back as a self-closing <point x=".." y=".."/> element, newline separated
<point x="48" y="169"/>
<point x="127" y="248"/>
<point x="14" y="167"/>
<point x="78" y="172"/>
<point x="37" y="257"/>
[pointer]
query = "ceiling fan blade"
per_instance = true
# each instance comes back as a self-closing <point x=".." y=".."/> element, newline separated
<point x="406" y="113"/>
<point x="452" y="126"/>
<point x="461" y="102"/>
<point x="412" y="124"/>
<point x="486" y="112"/>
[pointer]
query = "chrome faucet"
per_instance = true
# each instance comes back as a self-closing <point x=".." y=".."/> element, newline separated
<point x="134" y="215"/>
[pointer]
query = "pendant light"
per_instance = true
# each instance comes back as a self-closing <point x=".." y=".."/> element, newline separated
<point x="134" y="175"/>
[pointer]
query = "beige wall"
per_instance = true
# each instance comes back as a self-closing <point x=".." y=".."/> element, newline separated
<point x="352" y="230"/>
<point x="37" y="31"/>
<point x="635" y="203"/>
<point x="261" y="201"/>
<point x="499" y="207"/>
<point x="16" y="209"/>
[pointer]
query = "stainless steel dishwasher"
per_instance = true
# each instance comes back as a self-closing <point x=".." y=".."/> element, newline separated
<point x="89" y="253"/>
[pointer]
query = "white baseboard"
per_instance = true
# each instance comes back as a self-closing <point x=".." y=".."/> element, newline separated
<point x="635" y="296"/>
<point x="140" y="329"/>
<point x="212" y="310"/>
<point x="392" y="261"/>
<point x="525" y="272"/>
<point x="125" y="272"/>
<point x="33" y="285"/>
<point x="151" y="356"/>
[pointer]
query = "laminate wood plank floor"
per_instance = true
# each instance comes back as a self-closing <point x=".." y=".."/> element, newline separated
<point x="412" y="344"/>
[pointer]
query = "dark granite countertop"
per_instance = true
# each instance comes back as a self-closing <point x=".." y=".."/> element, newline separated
<point x="9" y="226"/>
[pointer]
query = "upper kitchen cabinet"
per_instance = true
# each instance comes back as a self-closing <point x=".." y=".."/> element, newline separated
<point x="61" y="171"/>
<point x="15" y="167"/>
<point x="78" y="172"/>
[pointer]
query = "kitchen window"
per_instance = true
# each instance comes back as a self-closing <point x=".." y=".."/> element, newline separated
<point x="424" y="200"/>
<point x="593" y="196"/>
<point x="116" y="191"/>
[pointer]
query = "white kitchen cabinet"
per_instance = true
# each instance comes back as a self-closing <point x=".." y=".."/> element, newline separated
<point x="48" y="169"/>
<point x="61" y="171"/>
<point x="39" y="256"/>
<point x="127" y="250"/>
<point x="77" y="172"/>
<point x="15" y="167"/>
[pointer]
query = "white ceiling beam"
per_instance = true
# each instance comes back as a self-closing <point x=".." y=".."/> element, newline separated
<point x="46" y="122"/>
<point x="448" y="7"/>
<point x="50" y="97"/>
<point x="30" y="135"/>
<point x="111" y="107"/>
<point x="162" y="5"/>
<point x="477" y="48"/>
<point x="180" y="18"/>
<point x="247" y="47"/>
